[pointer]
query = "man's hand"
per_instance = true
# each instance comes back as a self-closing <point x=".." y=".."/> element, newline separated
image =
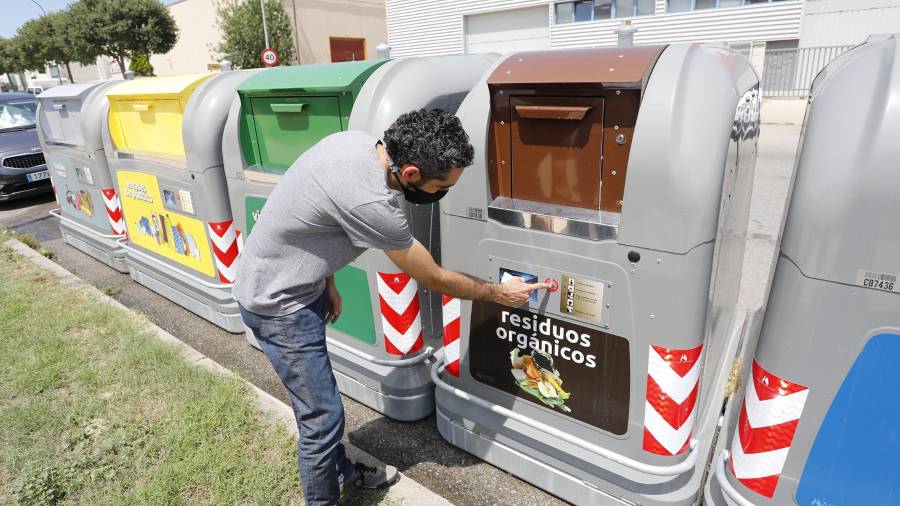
<point x="515" y="291"/>
<point x="417" y="262"/>
<point x="335" y="303"/>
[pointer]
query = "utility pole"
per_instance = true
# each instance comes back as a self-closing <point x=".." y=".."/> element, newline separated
<point x="39" y="6"/>
<point x="262" y="8"/>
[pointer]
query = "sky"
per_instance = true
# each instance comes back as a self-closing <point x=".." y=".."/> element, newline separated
<point x="16" y="12"/>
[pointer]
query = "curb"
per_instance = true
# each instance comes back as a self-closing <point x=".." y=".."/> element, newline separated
<point x="405" y="491"/>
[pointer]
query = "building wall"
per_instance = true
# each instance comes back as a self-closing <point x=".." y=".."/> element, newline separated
<point x="314" y="21"/>
<point x="198" y="32"/>
<point x="842" y="22"/>
<point x="429" y="27"/>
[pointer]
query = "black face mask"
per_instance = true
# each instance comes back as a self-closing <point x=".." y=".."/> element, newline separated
<point x="415" y="195"/>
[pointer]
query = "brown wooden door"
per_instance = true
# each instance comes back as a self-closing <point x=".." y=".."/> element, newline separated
<point x="347" y="49"/>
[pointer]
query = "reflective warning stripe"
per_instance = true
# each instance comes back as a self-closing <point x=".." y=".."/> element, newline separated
<point x="673" y="381"/>
<point x="769" y="417"/>
<point x="113" y="211"/>
<point x="451" y="310"/>
<point x="226" y="247"/>
<point x="401" y="320"/>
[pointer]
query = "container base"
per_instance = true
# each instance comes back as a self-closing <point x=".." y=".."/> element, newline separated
<point x="105" y="250"/>
<point x="567" y="487"/>
<point x="404" y="408"/>
<point x="215" y="305"/>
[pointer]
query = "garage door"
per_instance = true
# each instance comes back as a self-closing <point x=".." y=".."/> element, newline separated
<point x="507" y="31"/>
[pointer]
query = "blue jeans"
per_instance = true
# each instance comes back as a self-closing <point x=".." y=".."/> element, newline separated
<point x="295" y="345"/>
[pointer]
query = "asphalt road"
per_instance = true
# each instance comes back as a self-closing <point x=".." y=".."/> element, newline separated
<point x="417" y="449"/>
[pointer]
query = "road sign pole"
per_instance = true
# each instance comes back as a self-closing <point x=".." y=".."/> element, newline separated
<point x="262" y="8"/>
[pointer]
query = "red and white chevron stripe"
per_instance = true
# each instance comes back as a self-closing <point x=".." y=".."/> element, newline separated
<point x="113" y="211"/>
<point x="769" y="417"/>
<point x="451" y="333"/>
<point x="400" y="317"/>
<point x="673" y="381"/>
<point x="227" y="245"/>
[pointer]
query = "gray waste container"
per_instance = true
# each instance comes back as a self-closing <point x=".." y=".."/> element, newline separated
<point x="621" y="176"/>
<point x="70" y="124"/>
<point x="379" y="359"/>
<point x="164" y="145"/>
<point x="816" y="421"/>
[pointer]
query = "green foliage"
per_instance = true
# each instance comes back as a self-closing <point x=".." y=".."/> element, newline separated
<point x="111" y="290"/>
<point x="67" y="44"/>
<point x="52" y="38"/>
<point x="32" y="43"/>
<point x="125" y="28"/>
<point x="43" y="484"/>
<point x="140" y="65"/>
<point x="9" y="57"/>
<point x="240" y="22"/>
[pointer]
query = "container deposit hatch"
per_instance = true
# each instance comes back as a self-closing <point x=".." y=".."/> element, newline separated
<point x="622" y="177"/>
<point x="70" y="126"/>
<point x="388" y="375"/>
<point x="164" y="145"/>
<point x="816" y="420"/>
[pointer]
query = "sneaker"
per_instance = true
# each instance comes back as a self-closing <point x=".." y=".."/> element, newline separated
<point x="371" y="477"/>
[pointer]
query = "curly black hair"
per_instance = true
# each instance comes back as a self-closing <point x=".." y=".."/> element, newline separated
<point x="431" y="139"/>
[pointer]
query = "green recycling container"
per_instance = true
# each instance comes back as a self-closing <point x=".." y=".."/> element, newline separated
<point x="282" y="112"/>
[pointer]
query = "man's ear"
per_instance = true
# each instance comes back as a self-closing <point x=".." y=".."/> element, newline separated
<point x="411" y="173"/>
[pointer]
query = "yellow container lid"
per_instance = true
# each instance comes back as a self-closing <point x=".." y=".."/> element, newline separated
<point x="145" y="115"/>
<point x="162" y="87"/>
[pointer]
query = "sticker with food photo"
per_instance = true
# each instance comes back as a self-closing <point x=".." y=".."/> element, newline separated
<point x="536" y="375"/>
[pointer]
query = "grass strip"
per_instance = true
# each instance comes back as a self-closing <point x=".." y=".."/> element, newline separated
<point x="94" y="410"/>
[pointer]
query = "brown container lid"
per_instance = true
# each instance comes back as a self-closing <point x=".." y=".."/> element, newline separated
<point x="597" y="65"/>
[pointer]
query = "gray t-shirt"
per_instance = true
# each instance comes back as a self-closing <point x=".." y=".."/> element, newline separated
<point x="330" y="206"/>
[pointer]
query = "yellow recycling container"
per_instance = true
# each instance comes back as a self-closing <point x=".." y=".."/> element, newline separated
<point x="145" y="115"/>
<point x="163" y="141"/>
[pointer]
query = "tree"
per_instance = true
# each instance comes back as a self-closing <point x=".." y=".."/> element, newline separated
<point x="52" y="39"/>
<point x="32" y="43"/>
<point x="66" y="44"/>
<point x="140" y="65"/>
<point x="12" y="55"/>
<point x="242" y="32"/>
<point x="10" y="63"/>
<point x="125" y="28"/>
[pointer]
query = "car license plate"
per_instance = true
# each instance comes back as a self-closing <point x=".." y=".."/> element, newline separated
<point x="37" y="176"/>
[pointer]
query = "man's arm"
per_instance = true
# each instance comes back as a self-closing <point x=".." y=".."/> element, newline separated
<point x="417" y="262"/>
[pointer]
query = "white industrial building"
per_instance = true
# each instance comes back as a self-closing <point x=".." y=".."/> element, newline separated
<point x="788" y="41"/>
<point x="427" y="27"/>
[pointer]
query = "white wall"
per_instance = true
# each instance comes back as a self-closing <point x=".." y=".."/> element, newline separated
<point x="428" y="27"/>
<point x="843" y="22"/>
<point x="196" y="21"/>
<point x="315" y="21"/>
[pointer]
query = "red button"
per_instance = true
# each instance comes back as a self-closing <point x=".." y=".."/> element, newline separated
<point x="554" y="285"/>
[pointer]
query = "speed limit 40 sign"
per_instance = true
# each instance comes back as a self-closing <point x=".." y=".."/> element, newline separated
<point x="269" y="57"/>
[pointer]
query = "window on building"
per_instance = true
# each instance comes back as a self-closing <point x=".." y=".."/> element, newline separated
<point x="583" y="11"/>
<point x="592" y="10"/>
<point x="645" y="7"/>
<point x="564" y="12"/>
<point x="696" y="5"/>
<point x="602" y="9"/>
<point x="54" y="71"/>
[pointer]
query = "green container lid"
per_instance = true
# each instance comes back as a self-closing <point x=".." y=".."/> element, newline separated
<point x="287" y="110"/>
<point x="321" y="77"/>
